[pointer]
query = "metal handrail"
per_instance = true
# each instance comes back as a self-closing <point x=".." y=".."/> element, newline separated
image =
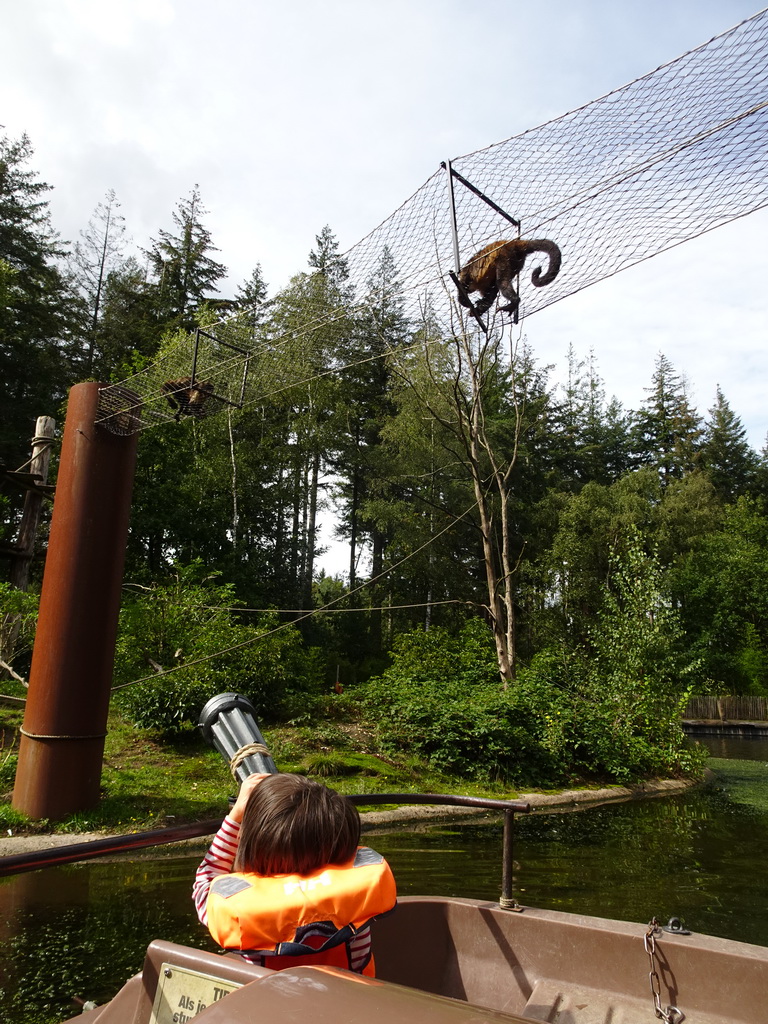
<point x="19" y="863"/>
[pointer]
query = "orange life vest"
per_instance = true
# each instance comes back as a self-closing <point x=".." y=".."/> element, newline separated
<point x="271" y="915"/>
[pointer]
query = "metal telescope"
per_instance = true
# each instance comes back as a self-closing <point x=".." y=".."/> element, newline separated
<point x="228" y="722"/>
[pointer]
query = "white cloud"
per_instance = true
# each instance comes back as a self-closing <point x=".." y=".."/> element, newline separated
<point x="75" y="24"/>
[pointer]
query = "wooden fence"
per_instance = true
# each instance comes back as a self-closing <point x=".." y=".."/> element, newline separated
<point x="732" y="709"/>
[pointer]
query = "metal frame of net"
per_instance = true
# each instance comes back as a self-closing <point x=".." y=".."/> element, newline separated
<point x="671" y="155"/>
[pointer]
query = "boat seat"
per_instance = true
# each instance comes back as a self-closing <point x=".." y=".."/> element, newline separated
<point x="555" y="1003"/>
<point x="551" y="1001"/>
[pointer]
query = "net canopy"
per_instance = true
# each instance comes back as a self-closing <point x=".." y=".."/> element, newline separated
<point x="671" y="155"/>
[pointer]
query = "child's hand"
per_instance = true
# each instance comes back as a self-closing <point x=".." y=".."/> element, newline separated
<point x="245" y="791"/>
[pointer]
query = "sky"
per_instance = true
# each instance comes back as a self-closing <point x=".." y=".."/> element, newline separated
<point x="293" y="115"/>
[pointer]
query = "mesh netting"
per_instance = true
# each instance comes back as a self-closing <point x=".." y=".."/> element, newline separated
<point x="671" y="155"/>
<point x="197" y="376"/>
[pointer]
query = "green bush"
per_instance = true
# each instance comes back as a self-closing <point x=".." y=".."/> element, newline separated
<point x="620" y="701"/>
<point x="192" y="627"/>
<point x="442" y="699"/>
<point x="608" y="712"/>
<point x="18" y="622"/>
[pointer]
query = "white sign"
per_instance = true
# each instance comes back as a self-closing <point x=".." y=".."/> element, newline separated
<point x="182" y="994"/>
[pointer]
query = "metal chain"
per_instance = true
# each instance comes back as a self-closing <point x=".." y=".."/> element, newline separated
<point x="672" y="1015"/>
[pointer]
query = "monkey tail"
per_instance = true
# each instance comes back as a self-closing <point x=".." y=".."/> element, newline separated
<point x="555" y="259"/>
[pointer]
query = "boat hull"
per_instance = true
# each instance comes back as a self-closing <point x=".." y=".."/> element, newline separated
<point x="460" y="961"/>
<point x="550" y="966"/>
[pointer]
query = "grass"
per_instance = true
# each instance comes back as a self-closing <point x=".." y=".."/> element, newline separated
<point x="150" y="781"/>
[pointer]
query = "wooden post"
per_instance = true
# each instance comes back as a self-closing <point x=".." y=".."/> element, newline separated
<point x="33" y="500"/>
<point x="62" y="742"/>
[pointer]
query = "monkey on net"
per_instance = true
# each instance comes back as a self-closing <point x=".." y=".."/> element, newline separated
<point x="188" y="398"/>
<point x="492" y="271"/>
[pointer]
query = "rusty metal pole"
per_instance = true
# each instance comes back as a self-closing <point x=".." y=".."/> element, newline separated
<point x="62" y="742"/>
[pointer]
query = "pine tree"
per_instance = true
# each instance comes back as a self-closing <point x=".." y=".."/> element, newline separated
<point x="567" y="424"/>
<point x="130" y="322"/>
<point x="307" y="324"/>
<point x="616" y="443"/>
<point x="588" y="440"/>
<point x="727" y="457"/>
<point x="327" y="260"/>
<point x="365" y="405"/>
<point x="37" y="308"/>
<point x="185" y="274"/>
<point x="761" y="471"/>
<point x="667" y="431"/>
<point x="251" y="298"/>
<point x="605" y="432"/>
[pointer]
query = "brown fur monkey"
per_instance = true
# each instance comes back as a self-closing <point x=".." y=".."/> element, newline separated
<point x="186" y="398"/>
<point x="493" y="269"/>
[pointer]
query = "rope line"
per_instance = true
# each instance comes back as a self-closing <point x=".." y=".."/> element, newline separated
<point x="326" y="610"/>
<point x="56" y="736"/>
<point x="307" y="615"/>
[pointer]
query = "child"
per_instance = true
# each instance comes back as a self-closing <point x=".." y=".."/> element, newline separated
<point x="285" y="882"/>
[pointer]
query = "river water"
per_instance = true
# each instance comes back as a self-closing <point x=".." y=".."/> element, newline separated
<point x="80" y="931"/>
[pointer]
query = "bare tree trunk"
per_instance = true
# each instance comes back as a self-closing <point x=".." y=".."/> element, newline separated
<point x="309" y="569"/>
<point x="235" y="513"/>
<point x="496" y="605"/>
<point x="457" y="403"/>
<point x="353" y="530"/>
<point x="294" y="560"/>
<point x="430" y="550"/>
<point x="303" y="536"/>
<point x="499" y="589"/>
<point x="377" y="564"/>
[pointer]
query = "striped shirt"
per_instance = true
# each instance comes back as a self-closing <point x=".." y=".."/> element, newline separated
<point x="220" y="860"/>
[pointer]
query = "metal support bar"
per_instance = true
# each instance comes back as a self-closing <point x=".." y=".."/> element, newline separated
<point x="226" y="344"/>
<point x="483" y="196"/>
<point x="193" y="375"/>
<point x="246" y="365"/>
<point x="19" y="863"/>
<point x="454" y="232"/>
<point x="452" y="210"/>
<point x="507" y="900"/>
<point x="460" y="287"/>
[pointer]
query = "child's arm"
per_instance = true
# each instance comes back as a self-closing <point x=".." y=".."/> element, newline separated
<point x="220" y="857"/>
<point x="218" y="861"/>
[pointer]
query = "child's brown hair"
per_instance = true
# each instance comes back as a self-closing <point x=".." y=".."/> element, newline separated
<point x="293" y="825"/>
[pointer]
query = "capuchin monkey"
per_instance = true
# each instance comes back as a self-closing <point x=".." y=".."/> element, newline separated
<point x="493" y="269"/>
<point x="186" y="398"/>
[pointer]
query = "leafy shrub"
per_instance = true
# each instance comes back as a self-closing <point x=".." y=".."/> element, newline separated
<point x="327" y="765"/>
<point x="619" y="703"/>
<point x="611" y="711"/>
<point x="8" y="764"/>
<point x="192" y="627"/>
<point x="18" y="622"/>
<point x="442" y="699"/>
